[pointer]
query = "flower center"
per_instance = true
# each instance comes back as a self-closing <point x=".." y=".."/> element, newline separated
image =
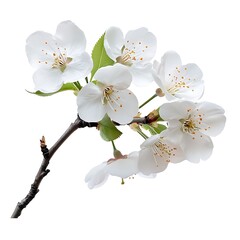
<point x="111" y="97"/>
<point x="163" y="151"/>
<point x="127" y="58"/>
<point x="176" y="87"/>
<point x="61" y="61"/>
<point x="189" y="126"/>
<point x="107" y="94"/>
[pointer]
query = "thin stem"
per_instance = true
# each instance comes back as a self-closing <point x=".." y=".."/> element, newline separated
<point x="86" y="79"/>
<point x="113" y="145"/>
<point x="149" y="100"/>
<point x="142" y="134"/>
<point x="152" y="129"/>
<point x="77" y="85"/>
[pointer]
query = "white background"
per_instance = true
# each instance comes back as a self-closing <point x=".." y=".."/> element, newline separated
<point x="187" y="201"/>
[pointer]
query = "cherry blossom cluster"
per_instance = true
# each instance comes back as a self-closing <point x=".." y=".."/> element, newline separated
<point x="183" y="127"/>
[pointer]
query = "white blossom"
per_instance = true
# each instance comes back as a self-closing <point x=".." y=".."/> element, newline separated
<point x="178" y="81"/>
<point x="135" y="51"/>
<point x="191" y="125"/>
<point x="58" y="59"/>
<point x="156" y="152"/>
<point x="108" y="96"/>
<point x="122" y="167"/>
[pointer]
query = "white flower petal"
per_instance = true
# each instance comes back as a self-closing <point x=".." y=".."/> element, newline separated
<point x="72" y="37"/>
<point x="156" y="75"/>
<point x="124" y="167"/>
<point x="143" y="43"/>
<point x="149" y="163"/>
<point x="211" y="118"/>
<point x="89" y="101"/>
<point x="141" y="76"/>
<point x="156" y="66"/>
<point x="78" y="68"/>
<point x="174" y="134"/>
<point x="122" y="107"/>
<point x="117" y="76"/>
<point x="40" y="47"/>
<point x="176" y="110"/>
<point x="191" y="72"/>
<point x="113" y="42"/>
<point x="97" y="176"/>
<point x="210" y="109"/>
<point x="213" y="125"/>
<point x="197" y="146"/>
<point x="170" y="60"/>
<point x="47" y="80"/>
<point x="150" y="141"/>
<point x="136" y="35"/>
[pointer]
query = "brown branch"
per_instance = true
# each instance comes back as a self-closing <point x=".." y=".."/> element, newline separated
<point x="48" y="153"/>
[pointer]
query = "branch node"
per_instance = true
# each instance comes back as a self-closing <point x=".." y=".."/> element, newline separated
<point x="83" y="124"/>
<point x="44" y="173"/>
<point x="45" y="152"/>
<point x="33" y="191"/>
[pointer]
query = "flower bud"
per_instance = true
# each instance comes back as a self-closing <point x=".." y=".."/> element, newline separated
<point x="117" y="154"/>
<point x="159" y="92"/>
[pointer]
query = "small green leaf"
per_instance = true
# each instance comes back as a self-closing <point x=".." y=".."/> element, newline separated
<point x="65" y="87"/>
<point x="99" y="56"/>
<point x="154" y="128"/>
<point x="108" y="130"/>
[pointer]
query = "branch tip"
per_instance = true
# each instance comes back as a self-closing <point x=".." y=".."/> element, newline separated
<point x="43" y="142"/>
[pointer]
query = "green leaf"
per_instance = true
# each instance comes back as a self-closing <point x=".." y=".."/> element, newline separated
<point x="65" y="87"/>
<point x="108" y="130"/>
<point x="99" y="56"/>
<point x="154" y="128"/>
